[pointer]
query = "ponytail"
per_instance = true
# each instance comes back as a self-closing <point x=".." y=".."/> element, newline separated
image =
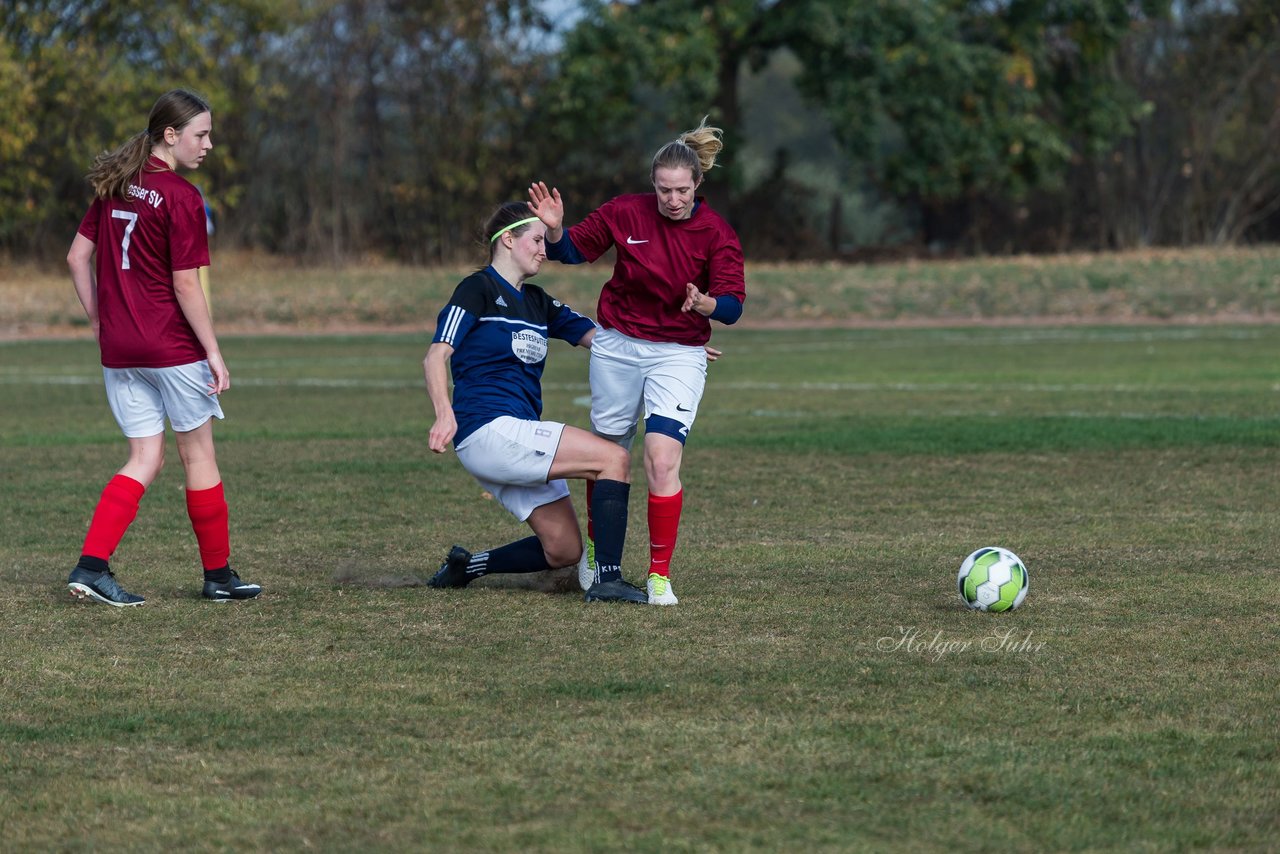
<point x="694" y="150"/>
<point x="113" y="171"/>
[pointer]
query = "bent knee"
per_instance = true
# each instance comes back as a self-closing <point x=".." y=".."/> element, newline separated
<point x="564" y="552"/>
<point x="617" y="464"/>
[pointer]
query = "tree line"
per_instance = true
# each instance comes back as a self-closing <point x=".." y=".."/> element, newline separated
<point x="349" y="128"/>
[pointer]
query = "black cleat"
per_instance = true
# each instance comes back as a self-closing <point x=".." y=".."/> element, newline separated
<point x="232" y="588"/>
<point x="617" y="590"/>
<point x="89" y="586"/>
<point x="453" y="572"/>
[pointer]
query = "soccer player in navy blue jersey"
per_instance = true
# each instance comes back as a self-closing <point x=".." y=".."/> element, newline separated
<point x="678" y="265"/>
<point x="493" y="336"/>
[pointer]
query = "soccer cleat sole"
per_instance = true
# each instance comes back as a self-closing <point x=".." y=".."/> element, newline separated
<point x="226" y="596"/>
<point x="82" y="593"/>
<point x="616" y="592"/>
<point x="615" y="599"/>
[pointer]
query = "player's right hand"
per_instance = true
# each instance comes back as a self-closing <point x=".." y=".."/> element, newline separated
<point x="546" y="205"/>
<point x="442" y="432"/>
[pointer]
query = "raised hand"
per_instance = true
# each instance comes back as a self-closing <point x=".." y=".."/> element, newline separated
<point x="546" y="205"/>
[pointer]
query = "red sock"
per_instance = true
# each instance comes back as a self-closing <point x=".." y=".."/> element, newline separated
<point x="116" y="510"/>
<point x="591" y="531"/>
<point x="208" y="511"/>
<point x="664" y="524"/>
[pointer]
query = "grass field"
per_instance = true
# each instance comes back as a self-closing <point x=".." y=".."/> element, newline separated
<point x="820" y="686"/>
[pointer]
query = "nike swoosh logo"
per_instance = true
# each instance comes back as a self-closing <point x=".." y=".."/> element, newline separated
<point x="680" y="408"/>
<point x="635" y="242"/>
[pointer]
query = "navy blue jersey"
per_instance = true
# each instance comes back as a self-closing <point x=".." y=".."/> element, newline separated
<point x="499" y="337"/>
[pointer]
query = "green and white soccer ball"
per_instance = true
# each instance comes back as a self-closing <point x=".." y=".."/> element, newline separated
<point x="993" y="579"/>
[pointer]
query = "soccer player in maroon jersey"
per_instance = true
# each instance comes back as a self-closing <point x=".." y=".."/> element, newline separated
<point x="134" y="263"/>
<point x="678" y="266"/>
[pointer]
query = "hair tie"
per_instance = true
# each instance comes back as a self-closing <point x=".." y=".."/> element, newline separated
<point x="516" y="224"/>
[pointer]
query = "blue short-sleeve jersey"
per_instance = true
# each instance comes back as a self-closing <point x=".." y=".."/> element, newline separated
<point x="499" y="337"/>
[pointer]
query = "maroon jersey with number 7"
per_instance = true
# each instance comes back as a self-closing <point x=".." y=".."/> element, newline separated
<point x="138" y="244"/>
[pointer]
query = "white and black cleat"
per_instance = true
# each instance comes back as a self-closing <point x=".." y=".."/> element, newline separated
<point x="232" y="588"/>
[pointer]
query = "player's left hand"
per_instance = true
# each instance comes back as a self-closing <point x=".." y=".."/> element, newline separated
<point x="221" y="376"/>
<point x="696" y="300"/>
<point x="712" y="352"/>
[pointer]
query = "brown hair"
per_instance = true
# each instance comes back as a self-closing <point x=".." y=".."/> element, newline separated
<point x="501" y="218"/>
<point x="113" y="170"/>
<point x="694" y="149"/>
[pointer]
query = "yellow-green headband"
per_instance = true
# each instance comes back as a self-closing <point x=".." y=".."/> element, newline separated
<point x="517" y="224"/>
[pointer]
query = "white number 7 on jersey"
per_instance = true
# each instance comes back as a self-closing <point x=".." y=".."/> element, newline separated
<point x="128" y="233"/>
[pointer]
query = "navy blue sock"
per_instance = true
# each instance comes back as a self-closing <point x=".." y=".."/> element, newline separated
<point x="609" y="519"/>
<point x="93" y="564"/>
<point x="521" y="556"/>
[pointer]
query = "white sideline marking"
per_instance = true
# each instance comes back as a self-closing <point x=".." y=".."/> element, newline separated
<point x="1049" y="388"/>
<point x="11" y="377"/>
<point x="18" y="378"/>
<point x="300" y="382"/>
<point x="994" y="413"/>
<point x="1011" y="338"/>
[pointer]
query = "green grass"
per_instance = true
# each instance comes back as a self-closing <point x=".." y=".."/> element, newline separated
<point x="819" y="687"/>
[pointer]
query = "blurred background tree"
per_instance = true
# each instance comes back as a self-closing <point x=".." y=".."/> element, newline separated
<point x="853" y="128"/>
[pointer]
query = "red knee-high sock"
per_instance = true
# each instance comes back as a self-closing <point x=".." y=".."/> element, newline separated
<point x="208" y="511"/>
<point x="591" y="530"/>
<point x="664" y="524"/>
<point x="116" y="510"/>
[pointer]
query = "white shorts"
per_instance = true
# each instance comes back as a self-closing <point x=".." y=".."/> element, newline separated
<point x="141" y="398"/>
<point x="511" y="459"/>
<point x="631" y="377"/>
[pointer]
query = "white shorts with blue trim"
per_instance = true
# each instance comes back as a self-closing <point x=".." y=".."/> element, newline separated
<point x="511" y="459"/>
<point x="141" y="398"/>
<point x="631" y="378"/>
